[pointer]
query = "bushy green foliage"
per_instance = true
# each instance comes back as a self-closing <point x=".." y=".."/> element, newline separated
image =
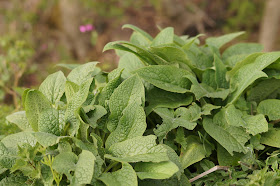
<point x="171" y="110"/>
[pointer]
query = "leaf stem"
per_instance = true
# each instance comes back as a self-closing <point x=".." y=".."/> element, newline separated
<point x="217" y="167"/>
<point x="111" y="165"/>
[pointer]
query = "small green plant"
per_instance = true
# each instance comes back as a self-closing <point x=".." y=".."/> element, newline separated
<point x="173" y="113"/>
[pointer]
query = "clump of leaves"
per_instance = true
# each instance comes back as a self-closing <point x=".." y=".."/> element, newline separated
<point x="172" y="110"/>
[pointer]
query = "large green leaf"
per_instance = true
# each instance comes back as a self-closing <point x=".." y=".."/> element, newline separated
<point x="18" y="139"/>
<point x="84" y="168"/>
<point x="129" y="91"/>
<point x="64" y="163"/>
<point x="270" y="108"/>
<point x="74" y="105"/>
<point x="53" y="87"/>
<point x="230" y="137"/>
<point x="131" y="124"/>
<point x="82" y="73"/>
<point x="151" y="170"/>
<point x="194" y="152"/>
<point x="165" y="77"/>
<point x="164" y="37"/>
<point x="129" y="62"/>
<point x="7" y="156"/>
<point x="271" y="138"/>
<point x="35" y="103"/>
<point x="123" y="177"/>
<point x="218" y="42"/>
<point x="242" y="48"/>
<point x="19" y="118"/>
<point x="142" y="148"/>
<point x="244" y="75"/>
<point x="160" y="98"/>
<point x="48" y="121"/>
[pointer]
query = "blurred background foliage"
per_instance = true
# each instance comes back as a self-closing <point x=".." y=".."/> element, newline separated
<point x="37" y="34"/>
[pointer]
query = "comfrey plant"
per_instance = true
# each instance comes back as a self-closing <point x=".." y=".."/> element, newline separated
<point x="172" y="110"/>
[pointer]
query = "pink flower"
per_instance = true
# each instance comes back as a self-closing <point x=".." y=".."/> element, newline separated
<point x="86" y="28"/>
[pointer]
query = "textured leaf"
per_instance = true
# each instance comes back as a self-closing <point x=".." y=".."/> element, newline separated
<point x="129" y="62"/>
<point x="242" y="48"/>
<point x="136" y="29"/>
<point x="35" y="103"/>
<point x="47" y="139"/>
<point x="53" y="87"/>
<point x="166" y="182"/>
<point x="123" y="177"/>
<point x="264" y="90"/>
<point x="168" y="78"/>
<point x="142" y="148"/>
<point x="256" y="124"/>
<point x="64" y="163"/>
<point x="182" y="117"/>
<point x="160" y="98"/>
<point x="270" y="108"/>
<point x="164" y="37"/>
<point x="109" y="88"/>
<point x="271" y="138"/>
<point x="249" y="72"/>
<point x="84" y="168"/>
<point x="82" y="73"/>
<point x="74" y="105"/>
<point x="96" y="114"/>
<point x="231" y="138"/>
<point x="220" y="73"/>
<point x="130" y="91"/>
<point x="7" y="157"/>
<point x="19" y="118"/>
<point x="194" y="152"/>
<point x="218" y="42"/>
<point x="18" y="139"/>
<point x="151" y="170"/>
<point x="48" y="121"/>
<point x="14" y="180"/>
<point x="131" y="124"/>
<point x="202" y="90"/>
<point x="226" y="159"/>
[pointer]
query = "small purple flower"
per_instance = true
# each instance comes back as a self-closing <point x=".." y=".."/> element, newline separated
<point x="86" y="28"/>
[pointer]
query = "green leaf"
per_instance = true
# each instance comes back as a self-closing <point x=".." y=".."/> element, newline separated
<point x="48" y="121"/>
<point x="264" y="90"/>
<point x="96" y="114"/>
<point x="138" y="30"/>
<point x="218" y="42"/>
<point x="166" y="182"/>
<point x="109" y="88"/>
<point x="35" y="103"/>
<point x="14" y="180"/>
<point x="129" y="91"/>
<point x="18" y="139"/>
<point x="202" y="90"/>
<point x="64" y="163"/>
<point x="160" y="98"/>
<point x="74" y="105"/>
<point x="242" y="48"/>
<point x="270" y="108"/>
<point x="70" y="89"/>
<point x="271" y="138"/>
<point x="256" y="124"/>
<point x="123" y="177"/>
<point x="84" y="168"/>
<point x="82" y="73"/>
<point x="151" y="170"/>
<point x="231" y="138"/>
<point x="226" y="159"/>
<point x="207" y="108"/>
<point x="47" y="139"/>
<point x="164" y="37"/>
<point x="7" y="156"/>
<point x="165" y="77"/>
<point x="53" y="87"/>
<point x="142" y="148"/>
<point x="131" y="124"/>
<point x="194" y="152"/>
<point x="182" y="117"/>
<point x="129" y="62"/>
<point x="220" y="73"/>
<point x="19" y="118"/>
<point x="247" y="74"/>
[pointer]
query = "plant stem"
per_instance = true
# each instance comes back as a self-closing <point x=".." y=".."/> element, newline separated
<point x="208" y="172"/>
<point x="111" y="165"/>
